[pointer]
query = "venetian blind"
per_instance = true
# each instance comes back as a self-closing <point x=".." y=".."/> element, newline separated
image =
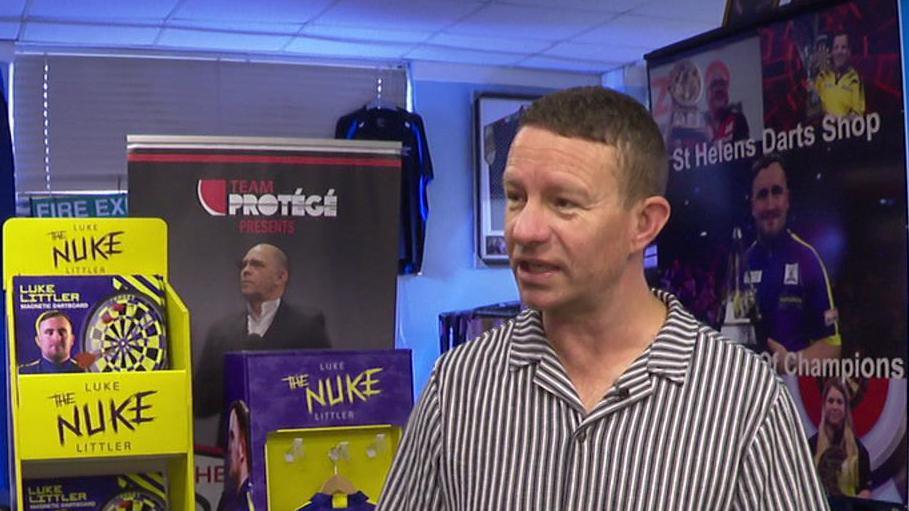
<point x="72" y="113"/>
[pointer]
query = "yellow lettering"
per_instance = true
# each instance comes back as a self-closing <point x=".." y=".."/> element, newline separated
<point x="368" y="383"/>
<point x="313" y="396"/>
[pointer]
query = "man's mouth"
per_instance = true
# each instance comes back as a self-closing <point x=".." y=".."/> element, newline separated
<point x="536" y="267"/>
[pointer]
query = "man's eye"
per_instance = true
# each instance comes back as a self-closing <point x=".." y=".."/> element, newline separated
<point x="564" y="204"/>
<point x="513" y="197"/>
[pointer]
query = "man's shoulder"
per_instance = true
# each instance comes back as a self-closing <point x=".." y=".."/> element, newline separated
<point x="70" y="366"/>
<point x="291" y="317"/>
<point x="487" y="352"/>
<point x="852" y="76"/>
<point x="30" y="367"/>
<point x="293" y="310"/>
<point x="804" y="250"/>
<point x="718" y="353"/>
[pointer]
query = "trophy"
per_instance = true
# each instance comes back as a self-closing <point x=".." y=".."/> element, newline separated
<point x="686" y="86"/>
<point x="741" y="313"/>
<point x="815" y="55"/>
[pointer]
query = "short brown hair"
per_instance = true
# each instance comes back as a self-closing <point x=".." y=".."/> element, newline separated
<point x="603" y="115"/>
<point x="765" y="161"/>
<point x="52" y="314"/>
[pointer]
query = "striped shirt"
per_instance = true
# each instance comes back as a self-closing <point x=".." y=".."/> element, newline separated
<point x="695" y="422"/>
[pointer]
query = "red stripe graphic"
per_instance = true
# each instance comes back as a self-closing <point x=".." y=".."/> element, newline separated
<point x="261" y="158"/>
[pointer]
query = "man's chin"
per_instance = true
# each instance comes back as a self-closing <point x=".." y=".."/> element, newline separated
<point x="772" y="231"/>
<point x="538" y="299"/>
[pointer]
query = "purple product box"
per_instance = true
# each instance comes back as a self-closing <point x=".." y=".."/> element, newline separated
<point x="115" y="323"/>
<point x="315" y="389"/>
<point x="145" y="492"/>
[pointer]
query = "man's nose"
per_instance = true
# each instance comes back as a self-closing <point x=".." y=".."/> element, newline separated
<point x="530" y="225"/>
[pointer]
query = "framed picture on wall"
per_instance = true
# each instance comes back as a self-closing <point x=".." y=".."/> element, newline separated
<point x="740" y="12"/>
<point x="496" y="118"/>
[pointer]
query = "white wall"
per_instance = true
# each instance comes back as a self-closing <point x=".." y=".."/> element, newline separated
<point x="452" y="279"/>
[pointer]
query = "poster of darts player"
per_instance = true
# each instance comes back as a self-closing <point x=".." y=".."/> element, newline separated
<point x="788" y="232"/>
<point x="274" y="244"/>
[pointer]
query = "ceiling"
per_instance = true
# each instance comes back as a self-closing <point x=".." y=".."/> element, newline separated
<point x="567" y="35"/>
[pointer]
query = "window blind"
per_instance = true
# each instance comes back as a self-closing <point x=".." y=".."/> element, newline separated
<point x="72" y="113"/>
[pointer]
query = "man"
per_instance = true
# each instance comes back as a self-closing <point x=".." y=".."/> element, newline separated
<point x="725" y="121"/>
<point x="840" y="88"/>
<point x="269" y="323"/>
<point x="54" y="337"/>
<point x="602" y="395"/>
<point x="236" y="495"/>
<point x="786" y="276"/>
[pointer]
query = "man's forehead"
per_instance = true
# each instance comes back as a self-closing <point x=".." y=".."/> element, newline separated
<point x="54" y="322"/>
<point x="539" y="145"/>
<point x="769" y="175"/>
<point x="258" y="254"/>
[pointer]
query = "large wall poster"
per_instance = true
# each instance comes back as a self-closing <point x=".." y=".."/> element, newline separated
<point x="788" y="230"/>
<point x="303" y="232"/>
<point x="324" y="210"/>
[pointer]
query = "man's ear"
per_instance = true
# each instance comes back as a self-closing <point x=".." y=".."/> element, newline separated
<point x="650" y="216"/>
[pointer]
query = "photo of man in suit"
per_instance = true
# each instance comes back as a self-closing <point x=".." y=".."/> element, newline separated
<point x="269" y="323"/>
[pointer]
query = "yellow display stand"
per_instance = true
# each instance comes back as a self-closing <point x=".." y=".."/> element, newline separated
<point x="153" y="432"/>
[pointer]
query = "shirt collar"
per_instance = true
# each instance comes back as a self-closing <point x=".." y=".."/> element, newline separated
<point x="268" y="308"/>
<point x="668" y="356"/>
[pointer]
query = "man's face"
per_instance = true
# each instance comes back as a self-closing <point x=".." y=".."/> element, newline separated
<point x="835" y="407"/>
<point x="261" y="275"/>
<point x="55" y="338"/>
<point x="566" y="226"/>
<point x="236" y="452"/>
<point x="719" y="92"/>
<point x="770" y="200"/>
<point x="841" y="52"/>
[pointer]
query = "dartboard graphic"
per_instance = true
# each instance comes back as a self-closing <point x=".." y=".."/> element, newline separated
<point x="126" y="332"/>
<point x="134" y="501"/>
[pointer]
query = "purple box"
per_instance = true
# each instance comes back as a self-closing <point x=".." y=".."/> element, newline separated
<point x="114" y="323"/>
<point x="96" y="493"/>
<point x="313" y="389"/>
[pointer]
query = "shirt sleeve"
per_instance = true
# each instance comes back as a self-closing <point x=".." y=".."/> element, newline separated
<point x="823" y="321"/>
<point x="858" y="96"/>
<point x="777" y="471"/>
<point x="413" y="482"/>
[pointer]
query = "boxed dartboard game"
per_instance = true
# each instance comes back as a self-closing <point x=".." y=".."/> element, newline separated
<point x="97" y="323"/>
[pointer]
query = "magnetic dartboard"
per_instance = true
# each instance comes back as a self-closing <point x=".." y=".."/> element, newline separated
<point x="126" y="332"/>
<point x="134" y="501"/>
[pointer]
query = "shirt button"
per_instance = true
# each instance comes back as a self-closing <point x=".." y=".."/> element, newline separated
<point x="582" y="436"/>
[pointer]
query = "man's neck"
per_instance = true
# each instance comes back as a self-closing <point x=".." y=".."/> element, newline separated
<point x="773" y="241"/>
<point x="597" y="346"/>
<point x="255" y="306"/>
<point x="243" y="478"/>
